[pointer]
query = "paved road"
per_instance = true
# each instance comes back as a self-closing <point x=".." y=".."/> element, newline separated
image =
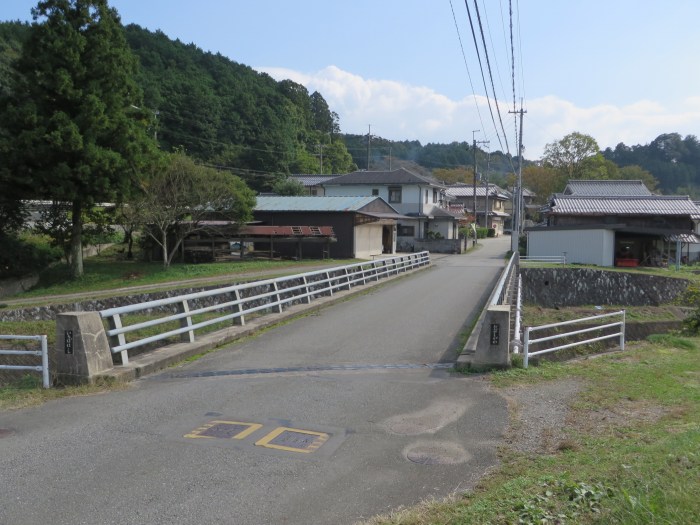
<point x="331" y="418"/>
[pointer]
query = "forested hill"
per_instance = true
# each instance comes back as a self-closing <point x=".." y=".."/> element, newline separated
<point x="226" y="114"/>
<point x="221" y="112"/>
<point x="673" y="160"/>
<point x="230" y="115"/>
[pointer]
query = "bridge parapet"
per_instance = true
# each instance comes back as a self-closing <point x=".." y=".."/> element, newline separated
<point x="493" y="336"/>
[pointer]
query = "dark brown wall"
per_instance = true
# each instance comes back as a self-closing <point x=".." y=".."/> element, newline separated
<point x="343" y="225"/>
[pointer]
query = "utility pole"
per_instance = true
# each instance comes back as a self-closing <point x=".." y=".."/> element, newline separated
<point x="320" y="148"/>
<point x="517" y="229"/>
<point x="486" y="201"/>
<point x="369" y="142"/>
<point x="474" y="143"/>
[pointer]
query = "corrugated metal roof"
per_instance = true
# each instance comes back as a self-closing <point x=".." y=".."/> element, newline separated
<point x="400" y="176"/>
<point x="313" y="203"/>
<point x="288" y="231"/>
<point x="642" y="205"/>
<point x="688" y="238"/>
<point x="607" y="188"/>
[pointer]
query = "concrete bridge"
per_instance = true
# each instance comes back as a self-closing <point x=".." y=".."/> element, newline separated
<point x="341" y="414"/>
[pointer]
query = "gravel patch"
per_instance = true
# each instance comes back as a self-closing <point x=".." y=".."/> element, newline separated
<point x="539" y="415"/>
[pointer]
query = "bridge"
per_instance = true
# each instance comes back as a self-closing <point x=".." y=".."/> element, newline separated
<point x="339" y="414"/>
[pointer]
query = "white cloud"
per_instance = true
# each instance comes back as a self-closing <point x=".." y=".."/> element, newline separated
<point x="403" y="112"/>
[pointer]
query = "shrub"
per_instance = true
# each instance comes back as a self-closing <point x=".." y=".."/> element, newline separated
<point x="20" y="256"/>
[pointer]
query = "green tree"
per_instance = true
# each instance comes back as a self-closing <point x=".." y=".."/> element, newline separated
<point x="634" y="172"/>
<point x="569" y="155"/>
<point x="289" y="187"/>
<point x="69" y="124"/>
<point x="452" y="175"/>
<point x="544" y="181"/>
<point x="173" y="202"/>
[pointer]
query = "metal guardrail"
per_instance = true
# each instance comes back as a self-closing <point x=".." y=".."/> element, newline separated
<point x="43" y="353"/>
<point x="529" y="329"/>
<point x="244" y="299"/>
<point x="551" y="259"/>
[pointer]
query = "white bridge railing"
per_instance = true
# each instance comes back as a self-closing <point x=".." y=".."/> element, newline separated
<point x="620" y="325"/>
<point x="550" y="259"/>
<point x="42" y="352"/>
<point x="234" y="303"/>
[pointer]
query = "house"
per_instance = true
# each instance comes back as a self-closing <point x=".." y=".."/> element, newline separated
<point x="615" y="223"/>
<point x="422" y="201"/>
<point x="491" y="203"/>
<point x="364" y="226"/>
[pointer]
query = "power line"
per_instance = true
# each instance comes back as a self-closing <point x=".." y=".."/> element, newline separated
<point x="493" y="87"/>
<point x="481" y="68"/>
<point x="466" y="65"/>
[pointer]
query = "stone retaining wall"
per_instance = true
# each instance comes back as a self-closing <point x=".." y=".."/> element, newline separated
<point x="562" y="287"/>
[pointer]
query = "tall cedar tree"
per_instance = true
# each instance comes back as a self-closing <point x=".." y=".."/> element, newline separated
<point x="72" y="121"/>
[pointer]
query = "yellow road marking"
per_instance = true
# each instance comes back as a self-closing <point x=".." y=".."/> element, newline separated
<point x="251" y="427"/>
<point x="266" y="441"/>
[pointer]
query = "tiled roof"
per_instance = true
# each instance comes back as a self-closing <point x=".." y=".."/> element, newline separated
<point x="640" y="205"/>
<point x="312" y="180"/>
<point x="606" y="188"/>
<point x="467" y="190"/>
<point x="313" y="203"/>
<point x="400" y="176"/>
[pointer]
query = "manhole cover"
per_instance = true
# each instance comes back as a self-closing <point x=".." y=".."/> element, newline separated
<point x="293" y="440"/>
<point x="436" y="453"/>
<point x="224" y="430"/>
<point x="4" y="432"/>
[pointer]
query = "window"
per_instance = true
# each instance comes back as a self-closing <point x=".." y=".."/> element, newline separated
<point x="426" y="196"/>
<point x="313" y="192"/>
<point x="395" y="194"/>
<point x="406" y="231"/>
<point x="375" y="192"/>
<point x="434" y="195"/>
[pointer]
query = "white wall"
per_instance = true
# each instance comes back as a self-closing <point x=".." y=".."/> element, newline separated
<point x="445" y="228"/>
<point x="581" y="246"/>
<point x="410" y="195"/>
<point x="368" y="240"/>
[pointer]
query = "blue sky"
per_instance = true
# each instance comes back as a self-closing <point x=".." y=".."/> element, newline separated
<point x="620" y="70"/>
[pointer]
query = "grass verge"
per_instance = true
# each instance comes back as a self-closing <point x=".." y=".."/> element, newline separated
<point x="27" y="392"/>
<point x="629" y="452"/>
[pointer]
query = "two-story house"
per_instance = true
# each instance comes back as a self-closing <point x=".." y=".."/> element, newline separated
<point x="421" y="200"/>
<point x="491" y="202"/>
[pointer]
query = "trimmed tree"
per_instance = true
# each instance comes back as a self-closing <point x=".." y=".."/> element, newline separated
<point x="173" y="202"/>
<point x="70" y="126"/>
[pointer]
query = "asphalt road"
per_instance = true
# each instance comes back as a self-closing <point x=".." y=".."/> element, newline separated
<point x="328" y="419"/>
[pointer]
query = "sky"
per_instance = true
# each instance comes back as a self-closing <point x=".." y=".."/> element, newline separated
<point x="618" y="70"/>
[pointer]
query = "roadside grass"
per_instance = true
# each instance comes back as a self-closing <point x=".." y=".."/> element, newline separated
<point x="630" y="455"/>
<point x="27" y="392"/>
<point x="107" y="271"/>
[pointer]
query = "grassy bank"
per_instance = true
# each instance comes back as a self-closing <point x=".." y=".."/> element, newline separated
<point x="107" y="272"/>
<point x="629" y="452"/>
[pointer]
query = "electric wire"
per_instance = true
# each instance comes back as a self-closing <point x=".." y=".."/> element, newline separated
<point x="481" y="68"/>
<point x="493" y="86"/>
<point x="466" y="65"/>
